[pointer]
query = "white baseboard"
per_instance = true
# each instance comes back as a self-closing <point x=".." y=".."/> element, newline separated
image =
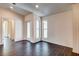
<point x="56" y="43"/>
<point x="75" y="51"/>
<point x="33" y="41"/>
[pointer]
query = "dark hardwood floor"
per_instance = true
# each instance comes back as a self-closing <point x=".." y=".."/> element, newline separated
<point x="26" y="48"/>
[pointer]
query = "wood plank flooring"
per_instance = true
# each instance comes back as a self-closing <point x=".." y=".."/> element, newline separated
<point x="26" y="48"/>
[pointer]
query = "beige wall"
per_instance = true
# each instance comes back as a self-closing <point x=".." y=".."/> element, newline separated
<point x="10" y="15"/>
<point x="60" y="29"/>
<point x="76" y="28"/>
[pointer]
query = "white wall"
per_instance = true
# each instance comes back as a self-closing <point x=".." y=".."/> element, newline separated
<point x="60" y="30"/>
<point x="18" y="29"/>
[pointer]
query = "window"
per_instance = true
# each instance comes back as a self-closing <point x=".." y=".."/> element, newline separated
<point x="45" y="28"/>
<point x="28" y="29"/>
<point x="37" y="29"/>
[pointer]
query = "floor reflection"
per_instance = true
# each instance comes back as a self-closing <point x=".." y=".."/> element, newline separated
<point x="8" y="47"/>
<point x="28" y="49"/>
<point x="38" y="49"/>
<point x="41" y="49"/>
<point x="45" y="49"/>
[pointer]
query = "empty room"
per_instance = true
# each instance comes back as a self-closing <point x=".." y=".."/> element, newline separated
<point x="39" y="29"/>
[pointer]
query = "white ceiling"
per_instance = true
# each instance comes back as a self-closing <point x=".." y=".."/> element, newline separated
<point x="15" y="9"/>
<point x="43" y="10"/>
